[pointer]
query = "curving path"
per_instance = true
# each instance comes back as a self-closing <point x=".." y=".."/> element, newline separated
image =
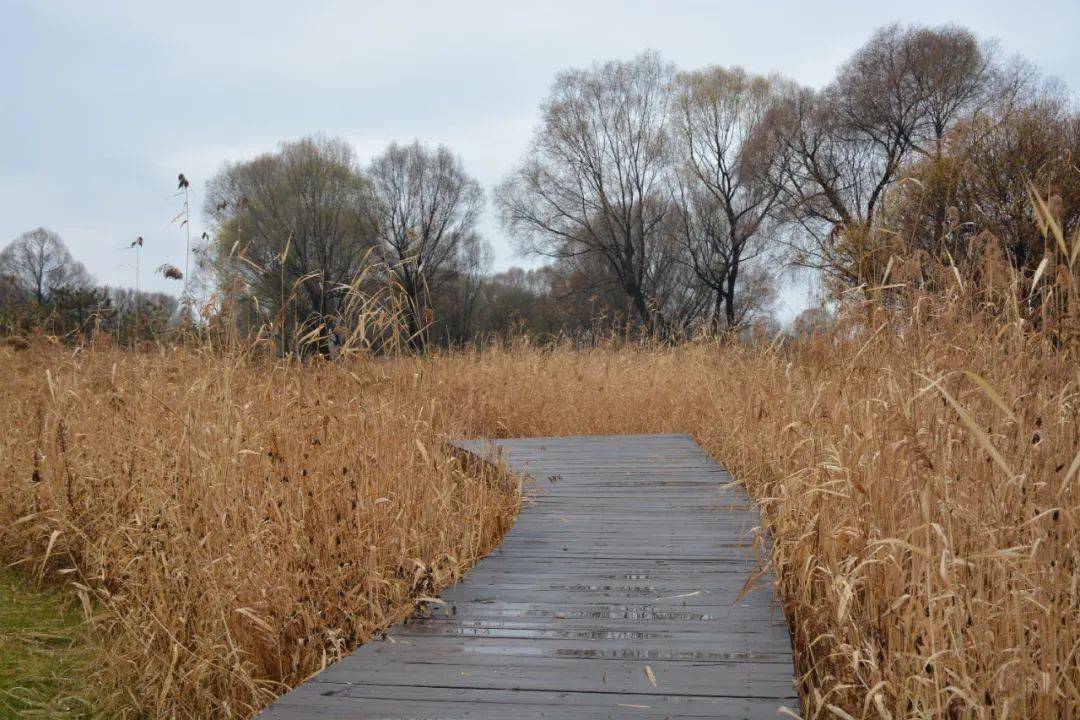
<point x="615" y="595"/>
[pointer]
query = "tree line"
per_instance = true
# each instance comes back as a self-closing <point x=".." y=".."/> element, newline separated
<point x="42" y="286"/>
<point x="664" y="201"/>
<point x="686" y="190"/>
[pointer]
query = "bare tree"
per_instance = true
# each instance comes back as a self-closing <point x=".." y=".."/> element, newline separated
<point x="38" y="263"/>
<point x="1028" y="135"/>
<point x="953" y="74"/>
<point x="457" y="302"/>
<point x="593" y="182"/>
<point x="425" y="208"/>
<point x="294" y="227"/>
<point x="900" y="94"/>
<point x="721" y="189"/>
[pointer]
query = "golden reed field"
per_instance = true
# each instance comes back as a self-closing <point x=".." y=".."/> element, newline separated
<point x="231" y="523"/>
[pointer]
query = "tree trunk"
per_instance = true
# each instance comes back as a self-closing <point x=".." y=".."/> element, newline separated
<point x="652" y="320"/>
<point x="718" y="310"/>
<point x="729" y="294"/>
<point x="414" y="318"/>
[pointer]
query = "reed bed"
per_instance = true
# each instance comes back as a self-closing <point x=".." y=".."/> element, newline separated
<point x="232" y="524"/>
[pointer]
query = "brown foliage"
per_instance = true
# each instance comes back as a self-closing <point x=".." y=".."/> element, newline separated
<point x="230" y="526"/>
<point x="981" y="182"/>
<point x="233" y="524"/>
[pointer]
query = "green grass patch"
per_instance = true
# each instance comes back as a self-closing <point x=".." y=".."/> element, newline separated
<point x="43" y="655"/>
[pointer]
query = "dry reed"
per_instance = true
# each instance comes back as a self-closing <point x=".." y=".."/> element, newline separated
<point x="230" y="526"/>
<point x="233" y="524"/>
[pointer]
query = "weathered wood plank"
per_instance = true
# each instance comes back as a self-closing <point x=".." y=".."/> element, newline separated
<point x="626" y="568"/>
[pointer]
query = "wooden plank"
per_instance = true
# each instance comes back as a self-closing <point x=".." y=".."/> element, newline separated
<point x="618" y="593"/>
<point x="355" y="700"/>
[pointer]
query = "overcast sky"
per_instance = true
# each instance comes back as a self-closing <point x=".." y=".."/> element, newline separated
<point x="102" y="104"/>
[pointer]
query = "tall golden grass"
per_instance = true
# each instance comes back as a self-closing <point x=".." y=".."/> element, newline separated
<point x="231" y="524"/>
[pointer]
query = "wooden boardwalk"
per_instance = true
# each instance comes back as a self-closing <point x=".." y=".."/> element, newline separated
<point x="615" y="595"/>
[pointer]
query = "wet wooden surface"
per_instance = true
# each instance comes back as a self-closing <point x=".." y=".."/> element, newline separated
<point x="615" y="595"/>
